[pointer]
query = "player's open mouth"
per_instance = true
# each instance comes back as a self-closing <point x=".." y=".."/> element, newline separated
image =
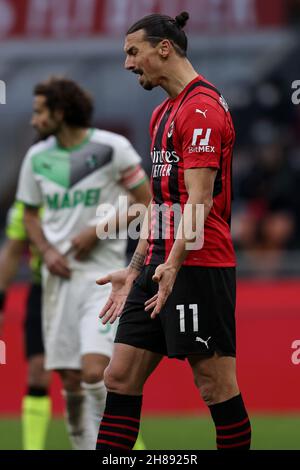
<point x="138" y="72"/>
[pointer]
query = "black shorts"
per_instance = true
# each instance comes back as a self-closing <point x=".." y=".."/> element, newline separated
<point x="33" y="322"/>
<point x="198" y="317"/>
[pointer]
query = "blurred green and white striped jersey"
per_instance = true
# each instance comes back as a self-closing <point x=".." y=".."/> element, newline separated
<point x="71" y="183"/>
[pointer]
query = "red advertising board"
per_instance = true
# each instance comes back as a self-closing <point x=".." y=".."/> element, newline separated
<point x="268" y="343"/>
<point x="49" y="19"/>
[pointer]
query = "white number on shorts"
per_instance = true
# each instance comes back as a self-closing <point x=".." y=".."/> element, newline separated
<point x="194" y="308"/>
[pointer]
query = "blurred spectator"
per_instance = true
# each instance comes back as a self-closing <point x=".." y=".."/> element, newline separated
<point x="294" y="12"/>
<point x="267" y="222"/>
<point x="263" y="242"/>
<point x="271" y="183"/>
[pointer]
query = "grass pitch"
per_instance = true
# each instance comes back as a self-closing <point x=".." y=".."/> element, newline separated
<point x="274" y="432"/>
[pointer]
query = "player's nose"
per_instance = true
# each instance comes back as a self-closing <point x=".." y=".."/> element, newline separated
<point x="128" y="64"/>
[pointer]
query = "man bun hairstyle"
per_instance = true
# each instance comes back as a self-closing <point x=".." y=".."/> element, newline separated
<point x="66" y="95"/>
<point x="182" y="19"/>
<point x="158" y="27"/>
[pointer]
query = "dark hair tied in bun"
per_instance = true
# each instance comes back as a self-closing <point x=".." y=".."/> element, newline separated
<point x="182" y="19"/>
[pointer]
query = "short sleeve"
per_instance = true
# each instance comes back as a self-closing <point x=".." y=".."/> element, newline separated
<point x="201" y="128"/>
<point x="125" y="157"/>
<point x="29" y="191"/>
<point x="15" y="228"/>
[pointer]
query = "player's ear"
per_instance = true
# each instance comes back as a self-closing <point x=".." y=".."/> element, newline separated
<point x="164" y="48"/>
<point x="58" y="115"/>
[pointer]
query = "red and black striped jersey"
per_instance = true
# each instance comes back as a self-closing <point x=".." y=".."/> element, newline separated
<point x="194" y="130"/>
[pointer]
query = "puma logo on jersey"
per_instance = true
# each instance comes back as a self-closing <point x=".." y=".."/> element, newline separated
<point x="202" y="112"/>
<point x="200" y="340"/>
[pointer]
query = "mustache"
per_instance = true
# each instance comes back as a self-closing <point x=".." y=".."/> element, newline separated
<point x="138" y="71"/>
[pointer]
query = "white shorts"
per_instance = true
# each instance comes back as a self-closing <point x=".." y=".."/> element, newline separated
<point x="71" y="323"/>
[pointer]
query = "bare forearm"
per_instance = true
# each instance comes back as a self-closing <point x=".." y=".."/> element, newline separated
<point x="138" y="259"/>
<point x="190" y="231"/>
<point x="10" y="256"/>
<point x="35" y="231"/>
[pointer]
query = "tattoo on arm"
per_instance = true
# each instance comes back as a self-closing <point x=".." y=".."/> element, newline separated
<point x="137" y="261"/>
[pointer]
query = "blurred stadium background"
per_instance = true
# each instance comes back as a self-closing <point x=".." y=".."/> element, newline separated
<point x="250" y="50"/>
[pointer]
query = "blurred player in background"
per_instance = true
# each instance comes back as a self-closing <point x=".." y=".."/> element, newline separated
<point x="73" y="170"/>
<point x="36" y="405"/>
<point x="188" y="294"/>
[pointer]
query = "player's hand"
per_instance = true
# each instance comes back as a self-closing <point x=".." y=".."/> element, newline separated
<point x="165" y="276"/>
<point x="56" y="263"/>
<point x="121" y="282"/>
<point x="84" y="242"/>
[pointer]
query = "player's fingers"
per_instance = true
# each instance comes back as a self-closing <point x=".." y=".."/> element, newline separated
<point x="151" y="306"/>
<point x="103" y="280"/>
<point x="80" y="254"/>
<point x="155" y="312"/>
<point x="62" y="271"/>
<point x="161" y="300"/>
<point x="150" y="301"/>
<point x="120" y="311"/>
<point x="120" y="308"/>
<point x="67" y="272"/>
<point x="156" y="277"/>
<point x="64" y="266"/>
<point x="106" y="317"/>
<point x="106" y="307"/>
<point x="110" y="314"/>
<point x="116" y="312"/>
<point x="63" y="261"/>
<point x="113" y="317"/>
<point x="116" y="308"/>
<point x="104" y="320"/>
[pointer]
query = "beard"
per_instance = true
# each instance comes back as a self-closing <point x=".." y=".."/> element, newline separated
<point x="146" y="84"/>
<point x="42" y="133"/>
